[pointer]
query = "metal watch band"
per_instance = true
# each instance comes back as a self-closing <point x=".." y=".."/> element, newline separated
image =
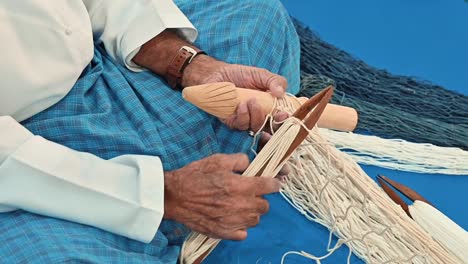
<point x="176" y="69"/>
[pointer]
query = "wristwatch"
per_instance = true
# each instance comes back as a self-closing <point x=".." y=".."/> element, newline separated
<point x="175" y="71"/>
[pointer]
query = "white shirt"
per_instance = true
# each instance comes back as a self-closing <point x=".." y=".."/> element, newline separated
<point x="44" y="47"/>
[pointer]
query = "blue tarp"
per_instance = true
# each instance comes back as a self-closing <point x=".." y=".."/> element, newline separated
<point x="284" y="229"/>
<point x="426" y="39"/>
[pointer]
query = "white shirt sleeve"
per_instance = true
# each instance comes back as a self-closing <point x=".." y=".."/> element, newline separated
<point x="47" y="45"/>
<point x="123" y="26"/>
<point x="44" y="47"/>
<point x="124" y="195"/>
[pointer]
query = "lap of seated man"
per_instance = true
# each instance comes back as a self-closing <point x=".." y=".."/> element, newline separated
<point x="125" y="159"/>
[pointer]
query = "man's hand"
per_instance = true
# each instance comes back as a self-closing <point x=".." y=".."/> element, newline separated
<point x="205" y="69"/>
<point x="158" y="53"/>
<point x="210" y="197"/>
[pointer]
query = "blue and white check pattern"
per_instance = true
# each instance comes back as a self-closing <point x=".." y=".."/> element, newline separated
<point x="112" y="111"/>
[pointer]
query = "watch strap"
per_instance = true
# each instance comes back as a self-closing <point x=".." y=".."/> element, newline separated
<point x="182" y="59"/>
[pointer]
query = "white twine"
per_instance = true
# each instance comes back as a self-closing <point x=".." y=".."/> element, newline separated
<point x="399" y="154"/>
<point x="197" y="244"/>
<point x="443" y="229"/>
<point x="331" y="189"/>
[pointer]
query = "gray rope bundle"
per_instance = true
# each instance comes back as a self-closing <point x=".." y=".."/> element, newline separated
<point x="390" y="106"/>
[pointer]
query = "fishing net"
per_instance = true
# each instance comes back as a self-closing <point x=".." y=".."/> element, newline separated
<point x="389" y="106"/>
<point x="330" y="188"/>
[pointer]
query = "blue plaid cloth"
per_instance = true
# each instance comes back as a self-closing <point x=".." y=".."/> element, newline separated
<point x="112" y="111"/>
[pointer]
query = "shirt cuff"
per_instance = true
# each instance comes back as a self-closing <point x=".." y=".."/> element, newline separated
<point x="151" y="195"/>
<point x="159" y="16"/>
<point x="12" y="136"/>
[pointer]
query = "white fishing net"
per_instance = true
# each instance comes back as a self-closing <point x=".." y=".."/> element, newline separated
<point x="329" y="188"/>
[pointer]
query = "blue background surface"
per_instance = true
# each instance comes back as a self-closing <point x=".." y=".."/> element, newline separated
<point x="423" y="38"/>
<point x="284" y="229"/>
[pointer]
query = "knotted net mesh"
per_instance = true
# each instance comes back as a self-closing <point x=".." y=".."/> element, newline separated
<point x="329" y="188"/>
<point x="390" y="106"/>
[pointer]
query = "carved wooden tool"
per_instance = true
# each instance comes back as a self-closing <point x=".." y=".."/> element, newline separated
<point x="385" y="183"/>
<point x="222" y="99"/>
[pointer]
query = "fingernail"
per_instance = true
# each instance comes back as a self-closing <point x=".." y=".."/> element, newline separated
<point x="281" y="179"/>
<point x="278" y="91"/>
<point x="281" y="116"/>
<point x="242" y="108"/>
<point x="279" y="184"/>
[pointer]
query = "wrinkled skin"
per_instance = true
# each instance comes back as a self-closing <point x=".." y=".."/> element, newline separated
<point x="205" y="69"/>
<point x="210" y="197"/>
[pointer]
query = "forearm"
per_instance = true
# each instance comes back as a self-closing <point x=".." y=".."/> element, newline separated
<point x="158" y="53"/>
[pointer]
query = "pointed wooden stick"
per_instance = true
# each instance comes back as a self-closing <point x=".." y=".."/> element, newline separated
<point x="222" y="99"/>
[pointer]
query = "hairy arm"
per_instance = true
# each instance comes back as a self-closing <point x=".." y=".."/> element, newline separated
<point x="157" y="54"/>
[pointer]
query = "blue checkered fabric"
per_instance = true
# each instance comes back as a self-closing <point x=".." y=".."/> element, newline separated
<point x="112" y="111"/>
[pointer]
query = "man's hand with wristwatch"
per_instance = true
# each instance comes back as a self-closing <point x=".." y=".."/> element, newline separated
<point x="182" y="64"/>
